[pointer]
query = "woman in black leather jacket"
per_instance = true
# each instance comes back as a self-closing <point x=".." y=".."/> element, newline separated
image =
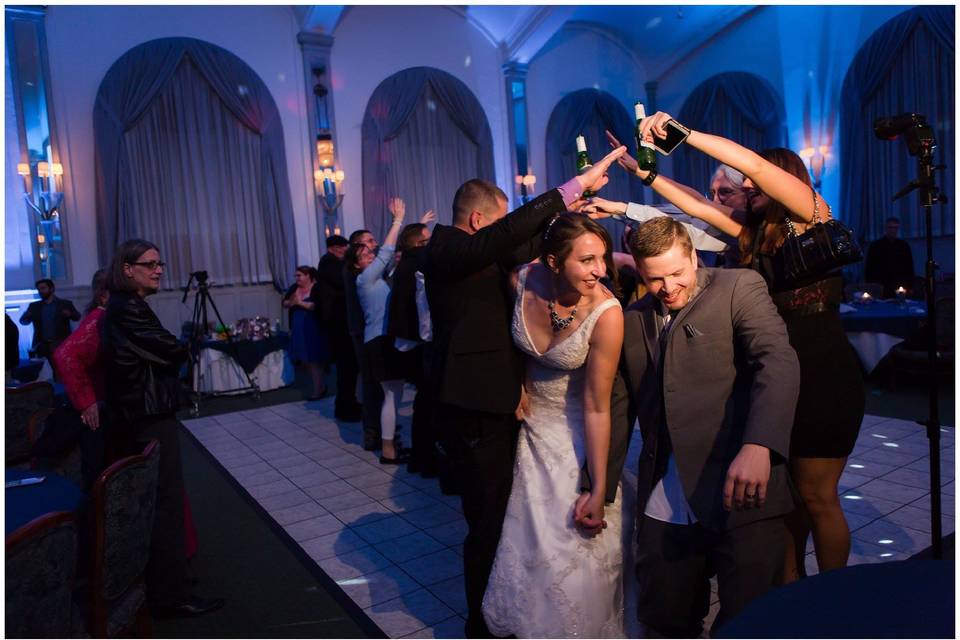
<point x="142" y="389"/>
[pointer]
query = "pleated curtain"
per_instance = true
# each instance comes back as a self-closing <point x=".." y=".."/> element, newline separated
<point x="189" y="154"/>
<point x="589" y="112"/>
<point x="907" y="66"/>
<point x="424" y="134"/>
<point x="736" y="105"/>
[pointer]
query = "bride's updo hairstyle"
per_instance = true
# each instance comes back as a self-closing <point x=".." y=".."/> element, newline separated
<point x="561" y="233"/>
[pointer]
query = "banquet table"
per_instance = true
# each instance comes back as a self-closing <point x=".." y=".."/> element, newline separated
<point x="28" y="502"/>
<point x="875" y="328"/>
<point x="222" y="366"/>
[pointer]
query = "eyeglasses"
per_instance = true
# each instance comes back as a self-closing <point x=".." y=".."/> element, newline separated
<point x="151" y="264"/>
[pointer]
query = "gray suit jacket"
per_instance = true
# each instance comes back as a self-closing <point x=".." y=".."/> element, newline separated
<point x="729" y="377"/>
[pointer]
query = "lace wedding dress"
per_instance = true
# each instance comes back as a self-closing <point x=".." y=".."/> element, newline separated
<point x="548" y="579"/>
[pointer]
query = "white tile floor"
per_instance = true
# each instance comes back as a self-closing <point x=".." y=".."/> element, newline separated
<point x="392" y="540"/>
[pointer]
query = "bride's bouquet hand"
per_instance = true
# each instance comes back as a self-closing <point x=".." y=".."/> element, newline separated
<point x="588" y="514"/>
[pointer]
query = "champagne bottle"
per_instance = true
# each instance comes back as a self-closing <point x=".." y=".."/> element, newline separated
<point x="583" y="161"/>
<point x="646" y="153"/>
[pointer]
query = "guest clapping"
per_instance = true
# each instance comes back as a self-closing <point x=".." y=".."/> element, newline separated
<point x="308" y="343"/>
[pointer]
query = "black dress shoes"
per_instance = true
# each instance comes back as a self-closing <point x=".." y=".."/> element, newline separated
<point x="192" y="606"/>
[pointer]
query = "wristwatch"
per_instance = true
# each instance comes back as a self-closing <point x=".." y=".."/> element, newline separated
<point x="650" y="177"/>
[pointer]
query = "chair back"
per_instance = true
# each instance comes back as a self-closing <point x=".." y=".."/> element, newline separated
<point x="40" y="567"/>
<point x="124" y="502"/>
<point x="21" y="403"/>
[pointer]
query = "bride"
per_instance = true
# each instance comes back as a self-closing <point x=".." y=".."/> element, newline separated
<point x="559" y="565"/>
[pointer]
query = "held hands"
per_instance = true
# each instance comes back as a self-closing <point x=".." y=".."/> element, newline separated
<point x="523" y="409"/>
<point x="747" y="477"/>
<point x="398" y="209"/>
<point x="428" y="217"/>
<point x="588" y="513"/>
<point x="594" y="178"/>
<point x="599" y="205"/>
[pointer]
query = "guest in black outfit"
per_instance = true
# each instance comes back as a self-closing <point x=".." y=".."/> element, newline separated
<point x="333" y="317"/>
<point x="890" y="261"/>
<point x="371" y="393"/>
<point x="50" y="317"/>
<point x="476" y="370"/>
<point x="143" y="388"/>
<point x="410" y="325"/>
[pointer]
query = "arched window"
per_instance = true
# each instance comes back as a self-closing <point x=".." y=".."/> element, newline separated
<point x="737" y="105"/>
<point x="905" y="66"/>
<point x="589" y="112"/>
<point x="190" y="155"/>
<point x="424" y="134"/>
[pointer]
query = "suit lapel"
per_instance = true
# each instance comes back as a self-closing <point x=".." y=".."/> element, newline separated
<point x="648" y="320"/>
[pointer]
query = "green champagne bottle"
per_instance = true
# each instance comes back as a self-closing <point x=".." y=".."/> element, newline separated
<point x="646" y="153"/>
<point x="583" y="161"/>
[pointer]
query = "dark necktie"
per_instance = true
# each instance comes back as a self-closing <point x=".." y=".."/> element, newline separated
<point x="664" y="446"/>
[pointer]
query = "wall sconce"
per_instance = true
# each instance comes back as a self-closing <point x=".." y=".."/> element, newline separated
<point x="329" y="184"/>
<point x="45" y="201"/>
<point x="525" y="185"/>
<point x="816" y="159"/>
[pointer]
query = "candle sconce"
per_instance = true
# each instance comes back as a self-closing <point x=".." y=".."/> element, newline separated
<point x="816" y="159"/>
<point x="45" y="202"/>
<point x="525" y="185"/>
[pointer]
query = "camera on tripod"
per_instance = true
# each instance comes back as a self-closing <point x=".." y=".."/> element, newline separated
<point x="912" y="126"/>
<point x="201" y="276"/>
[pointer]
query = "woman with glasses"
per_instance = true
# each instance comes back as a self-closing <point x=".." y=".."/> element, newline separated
<point x="142" y="390"/>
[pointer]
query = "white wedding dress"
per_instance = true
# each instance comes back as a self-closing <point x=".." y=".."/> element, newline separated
<point x="549" y="580"/>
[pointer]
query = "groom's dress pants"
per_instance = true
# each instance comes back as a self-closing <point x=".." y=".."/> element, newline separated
<point x="482" y="448"/>
<point x="675" y="563"/>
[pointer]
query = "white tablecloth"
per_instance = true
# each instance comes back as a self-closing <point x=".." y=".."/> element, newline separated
<point x="872" y="347"/>
<point x="219" y="373"/>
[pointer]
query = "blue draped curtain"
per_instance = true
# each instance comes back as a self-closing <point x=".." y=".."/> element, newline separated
<point x="589" y="112"/>
<point x="736" y="105"/>
<point x="905" y="66"/>
<point x="424" y="134"/>
<point x="127" y="94"/>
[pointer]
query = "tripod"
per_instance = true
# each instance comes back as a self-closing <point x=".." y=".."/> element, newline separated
<point x="199" y="323"/>
<point x="921" y="143"/>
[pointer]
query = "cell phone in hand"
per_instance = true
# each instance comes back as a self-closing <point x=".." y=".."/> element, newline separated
<point x="676" y="134"/>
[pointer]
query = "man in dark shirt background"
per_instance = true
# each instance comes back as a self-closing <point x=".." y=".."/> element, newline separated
<point x="890" y="261"/>
<point x="50" y="317"/>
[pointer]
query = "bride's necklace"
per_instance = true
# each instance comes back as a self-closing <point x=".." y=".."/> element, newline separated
<point x="558" y="323"/>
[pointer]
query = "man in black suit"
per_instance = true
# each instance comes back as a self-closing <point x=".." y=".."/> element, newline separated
<point x="50" y="317"/>
<point x="709" y="370"/>
<point x="332" y="313"/>
<point x="476" y="370"/>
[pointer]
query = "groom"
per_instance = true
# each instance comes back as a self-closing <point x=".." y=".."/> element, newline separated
<point x="476" y="370"/>
<point x="710" y="372"/>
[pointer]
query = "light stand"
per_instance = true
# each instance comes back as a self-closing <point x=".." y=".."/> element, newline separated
<point x="921" y="143"/>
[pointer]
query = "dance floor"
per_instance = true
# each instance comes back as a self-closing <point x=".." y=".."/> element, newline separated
<point x="393" y="542"/>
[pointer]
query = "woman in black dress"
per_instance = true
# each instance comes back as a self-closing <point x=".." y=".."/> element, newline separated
<point x="831" y="402"/>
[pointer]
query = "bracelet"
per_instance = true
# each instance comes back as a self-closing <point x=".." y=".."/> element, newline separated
<point x="650" y="177"/>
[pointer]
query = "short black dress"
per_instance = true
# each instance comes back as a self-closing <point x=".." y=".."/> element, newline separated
<point x="831" y="402"/>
